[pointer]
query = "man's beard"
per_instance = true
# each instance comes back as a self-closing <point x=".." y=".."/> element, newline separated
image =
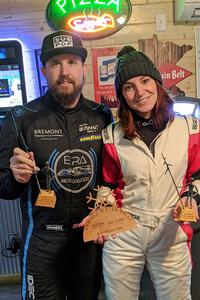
<point x="66" y="96"/>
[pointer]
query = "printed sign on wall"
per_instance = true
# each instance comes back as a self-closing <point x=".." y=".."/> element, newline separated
<point x="173" y="74"/>
<point x="165" y="56"/>
<point x="104" y="62"/>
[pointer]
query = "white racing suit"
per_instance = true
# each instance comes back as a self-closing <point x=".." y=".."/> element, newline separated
<point x="148" y="186"/>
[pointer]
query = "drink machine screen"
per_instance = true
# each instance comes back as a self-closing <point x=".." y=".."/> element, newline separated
<point x="10" y="86"/>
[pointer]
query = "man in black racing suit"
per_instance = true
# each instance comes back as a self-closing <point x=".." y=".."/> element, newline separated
<point x="54" y="143"/>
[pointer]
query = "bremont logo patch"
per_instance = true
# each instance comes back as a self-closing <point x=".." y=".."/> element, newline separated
<point x="48" y="134"/>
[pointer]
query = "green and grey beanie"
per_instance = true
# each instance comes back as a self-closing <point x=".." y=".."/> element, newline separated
<point x="132" y="63"/>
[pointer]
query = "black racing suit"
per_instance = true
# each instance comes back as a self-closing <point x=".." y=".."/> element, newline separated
<point x="70" y="141"/>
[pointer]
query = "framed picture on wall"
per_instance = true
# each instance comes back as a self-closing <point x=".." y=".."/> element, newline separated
<point x="104" y="63"/>
<point x="41" y="79"/>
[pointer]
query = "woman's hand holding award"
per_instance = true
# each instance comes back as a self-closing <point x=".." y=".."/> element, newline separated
<point x="106" y="217"/>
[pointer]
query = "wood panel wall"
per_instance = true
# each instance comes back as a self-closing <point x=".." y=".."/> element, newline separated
<point x="25" y="20"/>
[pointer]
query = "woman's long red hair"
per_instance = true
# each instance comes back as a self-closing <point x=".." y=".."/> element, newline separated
<point x="162" y="113"/>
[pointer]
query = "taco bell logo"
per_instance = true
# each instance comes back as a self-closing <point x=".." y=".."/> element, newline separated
<point x="62" y="41"/>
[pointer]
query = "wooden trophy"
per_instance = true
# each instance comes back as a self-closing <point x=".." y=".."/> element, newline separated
<point x="46" y="197"/>
<point x="185" y="212"/>
<point x="106" y="218"/>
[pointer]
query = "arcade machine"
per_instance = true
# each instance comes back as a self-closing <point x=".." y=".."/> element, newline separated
<point x="12" y="92"/>
<point x="12" y="81"/>
<point x="187" y="106"/>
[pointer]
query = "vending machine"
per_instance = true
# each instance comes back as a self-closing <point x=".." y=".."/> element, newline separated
<point x="12" y="92"/>
<point x="187" y="106"/>
<point x="12" y="81"/>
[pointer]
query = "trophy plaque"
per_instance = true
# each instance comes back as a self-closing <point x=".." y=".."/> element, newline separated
<point x="186" y="214"/>
<point x="106" y="218"/>
<point x="46" y="197"/>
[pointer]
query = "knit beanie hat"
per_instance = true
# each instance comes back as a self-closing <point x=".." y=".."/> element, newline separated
<point x="132" y="63"/>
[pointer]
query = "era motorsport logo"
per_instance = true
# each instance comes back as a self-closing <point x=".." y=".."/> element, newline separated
<point x="74" y="170"/>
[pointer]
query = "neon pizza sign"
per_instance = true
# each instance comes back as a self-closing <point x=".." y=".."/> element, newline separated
<point x="91" y="19"/>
